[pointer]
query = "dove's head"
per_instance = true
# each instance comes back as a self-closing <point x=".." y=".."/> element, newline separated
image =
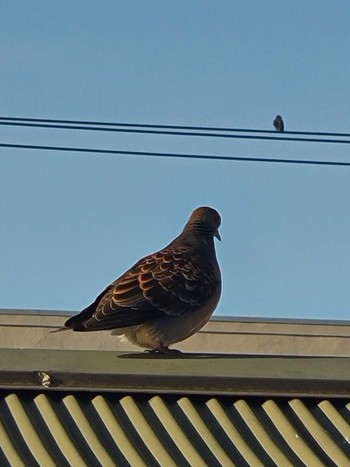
<point x="204" y="223"/>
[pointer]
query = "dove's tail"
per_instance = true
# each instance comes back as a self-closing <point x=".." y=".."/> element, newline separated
<point x="59" y="330"/>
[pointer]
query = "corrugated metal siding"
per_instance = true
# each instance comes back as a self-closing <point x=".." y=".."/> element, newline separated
<point x="78" y="429"/>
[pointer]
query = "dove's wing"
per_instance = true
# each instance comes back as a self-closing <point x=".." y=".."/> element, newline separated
<point x="173" y="282"/>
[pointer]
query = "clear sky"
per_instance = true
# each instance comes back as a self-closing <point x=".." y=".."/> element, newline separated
<point x="72" y="223"/>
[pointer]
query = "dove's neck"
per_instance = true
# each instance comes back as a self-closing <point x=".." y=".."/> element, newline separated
<point x="199" y="229"/>
<point x="197" y="235"/>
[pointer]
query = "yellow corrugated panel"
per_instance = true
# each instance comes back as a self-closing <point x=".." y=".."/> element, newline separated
<point x="290" y="434"/>
<point x="319" y="434"/>
<point x="260" y="434"/>
<point x="348" y="407"/>
<point x="28" y="432"/>
<point x="116" y="431"/>
<point x="175" y="431"/>
<point x="8" y="449"/>
<point x="204" y="432"/>
<point x="134" y="427"/>
<point x="58" y="431"/>
<point x="144" y="429"/>
<point x="232" y="432"/>
<point x="338" y="421"/>
<point x="87" y="431"/>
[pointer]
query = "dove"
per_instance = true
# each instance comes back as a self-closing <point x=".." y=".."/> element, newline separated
<point x="278" y="123"/>
<point x="166" y="296"/>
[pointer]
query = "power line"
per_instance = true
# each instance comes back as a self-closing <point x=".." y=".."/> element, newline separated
<point x="175" y="127"/>
<point x="171" y="130"/>
<point x="175" y="155"/>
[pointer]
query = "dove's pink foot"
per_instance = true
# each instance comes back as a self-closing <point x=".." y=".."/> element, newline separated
<point x="165" y="350"/>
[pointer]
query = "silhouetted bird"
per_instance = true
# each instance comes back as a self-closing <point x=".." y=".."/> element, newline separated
<point x="278" y="123"/>
<point x="166" y="296"/>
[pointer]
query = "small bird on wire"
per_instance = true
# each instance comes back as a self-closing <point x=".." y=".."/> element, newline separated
<point x="165" y="297"/>
<point x="278" y="123"/>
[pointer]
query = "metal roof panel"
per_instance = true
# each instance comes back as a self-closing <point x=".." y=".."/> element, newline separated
<point x="83" y="428"/>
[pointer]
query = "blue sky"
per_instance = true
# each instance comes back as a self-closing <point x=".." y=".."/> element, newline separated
<point x="72" y="223"/>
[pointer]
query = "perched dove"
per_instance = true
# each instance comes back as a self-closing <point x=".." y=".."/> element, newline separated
<point x="166" y="296"/>
<point x="278" y="123"/>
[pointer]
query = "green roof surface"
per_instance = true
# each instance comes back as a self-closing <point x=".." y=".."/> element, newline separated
<point x="190" y="373"/>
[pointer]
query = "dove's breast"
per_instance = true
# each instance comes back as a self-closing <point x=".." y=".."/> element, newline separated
<point x="171" y="329"/>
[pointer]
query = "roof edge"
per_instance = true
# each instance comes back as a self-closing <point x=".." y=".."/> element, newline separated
<point x="216" y="374"/>
<point x="238" y="319"/>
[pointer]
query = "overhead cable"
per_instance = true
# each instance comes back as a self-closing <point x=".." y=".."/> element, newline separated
<point x="175" y="155"/>
<point x="173" y="130"/>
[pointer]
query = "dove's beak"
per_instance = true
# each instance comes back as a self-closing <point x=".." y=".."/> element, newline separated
<point x="217" y="235"/>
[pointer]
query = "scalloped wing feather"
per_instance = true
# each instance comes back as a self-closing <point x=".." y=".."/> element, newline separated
<point x="170" y="282"/>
